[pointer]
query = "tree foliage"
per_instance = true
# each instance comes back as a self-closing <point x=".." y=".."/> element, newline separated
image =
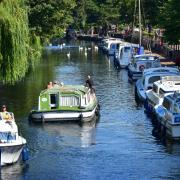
<point x="15" y="46"/>
<point x="170" y="20"/>
<point x="50" y="17"/>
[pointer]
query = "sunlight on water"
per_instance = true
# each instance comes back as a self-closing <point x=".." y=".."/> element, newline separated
<point x="120" y="145"/>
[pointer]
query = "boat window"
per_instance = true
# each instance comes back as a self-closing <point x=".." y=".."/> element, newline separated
<point x="7" y="136"/>
<point x="113" y="46"/>
<point x="69" y="101"/>
<point x="167" y="104"/>
<point x="121" y="53"/>
<point x="143" y="81"/>
<point x="117" y="46"/>
<point x="53" y="101"/>
<point x="162" y="92"/>
<point x="177" y="108"/>
<point x="155" y="88"/>
<point x="127" y="49"/>
<point x="153" y="79"/>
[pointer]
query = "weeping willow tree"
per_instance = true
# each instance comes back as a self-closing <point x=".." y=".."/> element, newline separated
<point x="14" y="40"/>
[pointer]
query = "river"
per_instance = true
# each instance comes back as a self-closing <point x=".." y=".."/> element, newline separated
<point x="118" y="145"/>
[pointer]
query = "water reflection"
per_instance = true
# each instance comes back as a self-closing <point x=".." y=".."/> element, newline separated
<point x="71" y="134"/>
<point x="121" y="146"/>
<point x="14" y="171"/>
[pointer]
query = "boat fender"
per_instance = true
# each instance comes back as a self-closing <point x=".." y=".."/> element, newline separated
<point x="25" y="153"/>
<point x="42" y="118"/>
<point x="81" y="117"/>
<point x="99" y="107"/>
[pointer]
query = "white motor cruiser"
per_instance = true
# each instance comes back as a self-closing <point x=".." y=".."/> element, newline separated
<point x="123" y="55"/>
<point x="111" y="45"/>
<point x="149" y="77"/>
<point x="11" y="144"/>
<point x="160" y="89"/>
<point x="168" y="115"/>
<point x="141" y="62"/>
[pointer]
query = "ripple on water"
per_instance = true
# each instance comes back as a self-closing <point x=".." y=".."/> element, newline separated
<point x="120" y="146"/>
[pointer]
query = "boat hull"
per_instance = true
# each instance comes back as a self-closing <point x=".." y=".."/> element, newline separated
<point x="134" y="75"/>
<point x="50" y="116"/>
<point x="10" y="152"/>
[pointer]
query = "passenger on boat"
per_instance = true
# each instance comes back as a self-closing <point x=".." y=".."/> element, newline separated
<point x="61" y="84"/>
<point x="55" y="84"/>
<point x="89" y="82"/>
<point x="50" y="85"/>
<point x="5" y="115"/>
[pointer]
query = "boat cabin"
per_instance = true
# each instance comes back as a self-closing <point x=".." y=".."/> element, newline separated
<point x="8" y="129"/>
<point x="167" y="84"/>
<point x="142" y="62"/>
<point x="64" y="98"/>
<point x="154" y="74"/>
<point x="110" y="46"/>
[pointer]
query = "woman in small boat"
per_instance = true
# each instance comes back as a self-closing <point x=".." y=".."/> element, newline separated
<point x="5" y="114"/>
<point x="50" y="85"/>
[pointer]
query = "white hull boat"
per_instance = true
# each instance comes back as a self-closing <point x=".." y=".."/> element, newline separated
<point x="149" y="77"/>
<point x="11" y="144"/>
<point x="11" y="151"/>
<point x="168" y="115"/>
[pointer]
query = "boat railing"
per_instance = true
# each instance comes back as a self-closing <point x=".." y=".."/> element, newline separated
<point x="170" y="78"/>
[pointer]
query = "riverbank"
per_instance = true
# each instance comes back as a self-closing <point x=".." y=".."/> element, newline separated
<point x="161" y="52"/>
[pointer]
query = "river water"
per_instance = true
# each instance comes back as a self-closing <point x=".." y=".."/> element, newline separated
<point x="118" y="145"/>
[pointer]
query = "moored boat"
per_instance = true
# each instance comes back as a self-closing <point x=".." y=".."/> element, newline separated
<point x="141" y="62"/>
<point x="111" y="45"/>
<point x="66" y="102"/>
<point x="168" y="115"/>
<point x="160" y="89"/>
<point x="11" y="144"/>
<point x="123" y="55"/>
<point x="149" y="77"/>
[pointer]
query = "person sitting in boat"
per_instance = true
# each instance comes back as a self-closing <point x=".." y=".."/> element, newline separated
<point x="50" y="85"/>
<point x="5" y="115"/>
<point x="61" y="84"/>
<point x="55" y="84"/>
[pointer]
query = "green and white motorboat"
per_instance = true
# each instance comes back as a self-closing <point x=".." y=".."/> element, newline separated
<point x="67" y="102"/>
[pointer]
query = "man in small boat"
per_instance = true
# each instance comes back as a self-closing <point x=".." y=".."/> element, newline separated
<point x="89" y="83"/>
<point x="5" y="114"/>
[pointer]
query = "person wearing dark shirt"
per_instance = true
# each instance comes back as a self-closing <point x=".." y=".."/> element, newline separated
<point x="89" y="82"/>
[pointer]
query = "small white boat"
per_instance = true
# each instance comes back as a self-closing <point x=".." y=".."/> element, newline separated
<point x="11" y="144"/>
<point x="168" y="115"/>
<point x="141" y="62"/>
<point x="160" y="89"/>
<point x="123" y="55"/>
<point x="149" y="77"/>
<point x="111" y="45"/>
